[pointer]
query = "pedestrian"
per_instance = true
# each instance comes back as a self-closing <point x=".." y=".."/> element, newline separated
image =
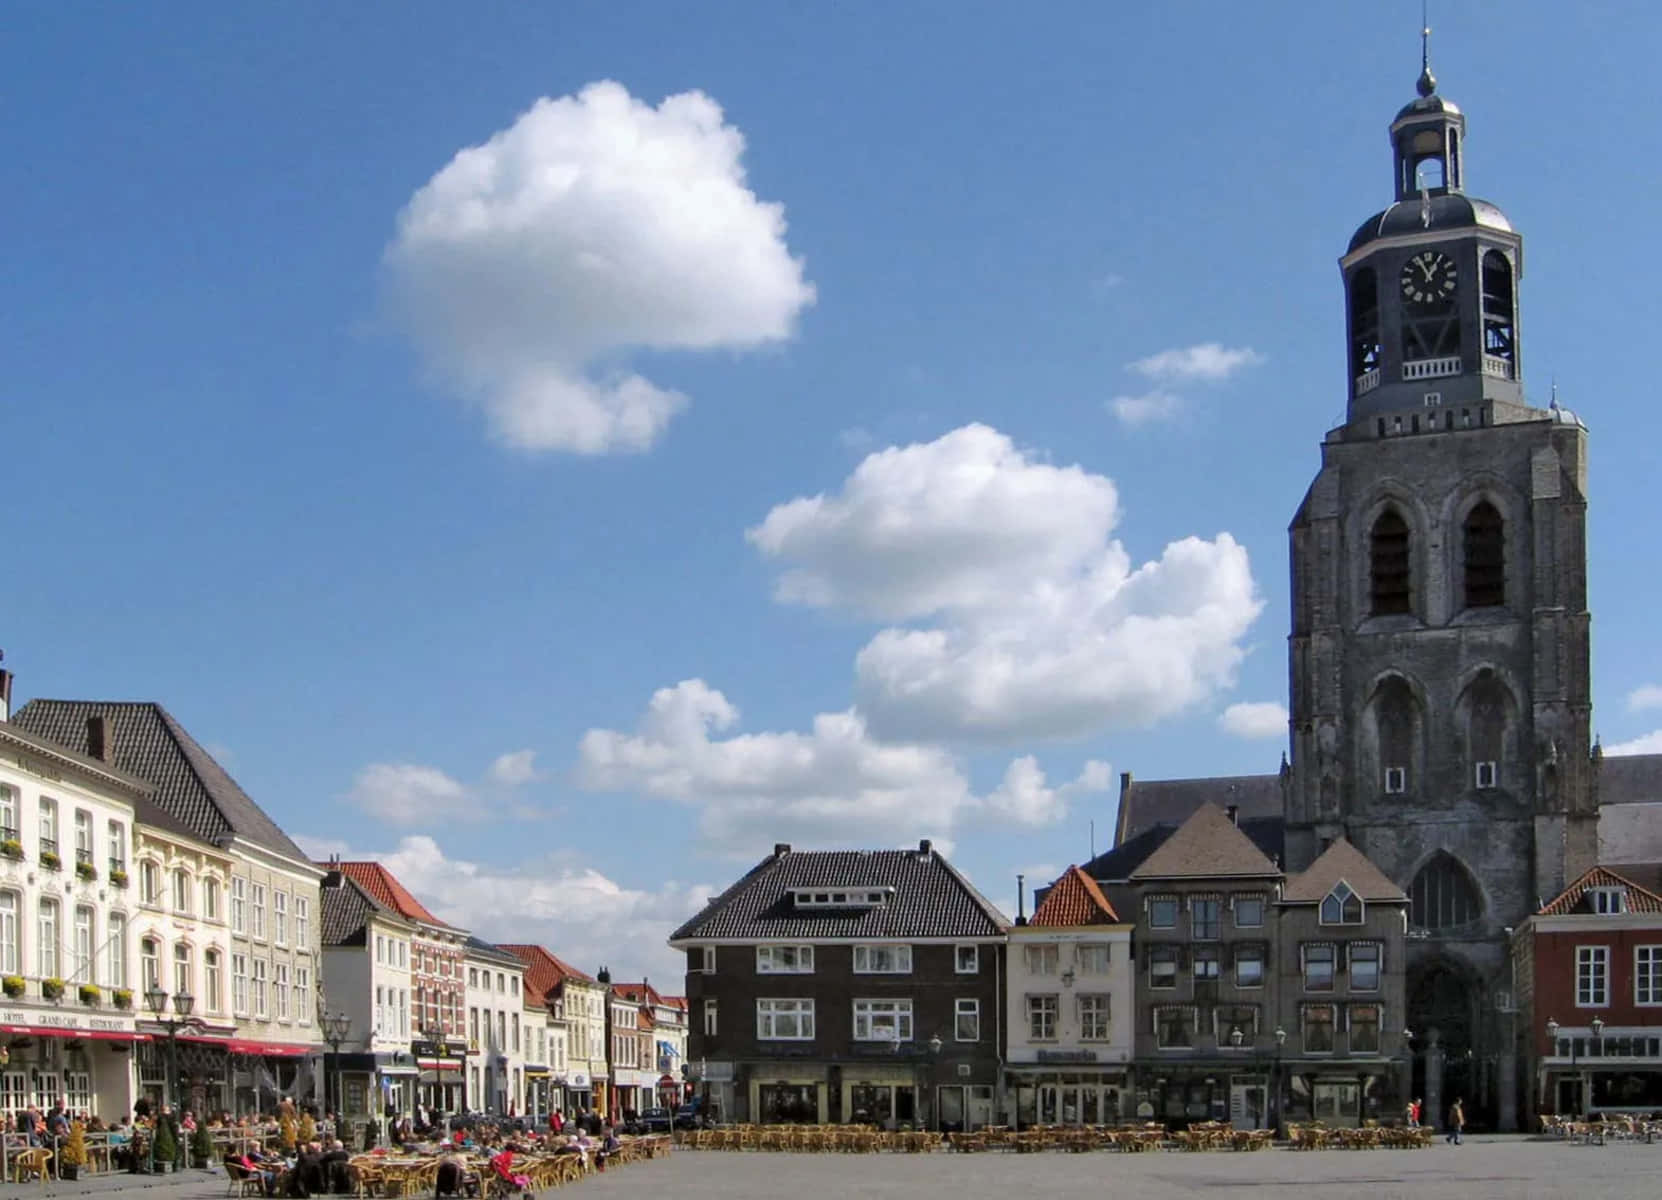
<point x="1456" y="1121"/>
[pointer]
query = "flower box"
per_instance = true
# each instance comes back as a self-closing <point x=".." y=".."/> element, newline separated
<point x="118" y="878"/>
<point x="91" y="995"/>
<point x="50" y="861"/>
<point x="12" y="849"/>
<point x="122" y="998"/>
<point x="86" y="871"/>
<point x="52" y="989"/>
<point x="13" y="986"/>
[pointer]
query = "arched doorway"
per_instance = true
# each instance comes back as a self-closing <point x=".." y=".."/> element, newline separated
<point x="1446" y="998"/>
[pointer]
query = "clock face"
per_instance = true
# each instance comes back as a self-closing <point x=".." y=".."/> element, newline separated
<point x="1428" y="279"/>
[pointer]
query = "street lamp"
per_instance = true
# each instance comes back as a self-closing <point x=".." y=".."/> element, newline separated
<point x="1597" y="1025"/>
<point x="157" y="998"/>
<point x="1275" y="1082"/>
<point x="337" y="1027"/>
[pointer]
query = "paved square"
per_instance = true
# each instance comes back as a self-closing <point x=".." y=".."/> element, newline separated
<point x="1480" y="1169"/>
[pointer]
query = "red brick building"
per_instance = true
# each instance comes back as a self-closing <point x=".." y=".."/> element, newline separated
<point x="1589" y="983"/>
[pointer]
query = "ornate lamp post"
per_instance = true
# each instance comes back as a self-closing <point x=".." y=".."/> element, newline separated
<point x="337" y="1028"/>
<point x="183" y="1002"/>
<point x="1597" y="1025"/>
<point x="934" y="1057"/>
<point x="1275" y="1081"/>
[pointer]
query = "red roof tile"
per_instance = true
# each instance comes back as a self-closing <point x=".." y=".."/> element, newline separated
<point x="1074" y="899"/>
<point x="544" y="971"/>
<point x="1638" y="899"/>
<point x="384" y="886"/>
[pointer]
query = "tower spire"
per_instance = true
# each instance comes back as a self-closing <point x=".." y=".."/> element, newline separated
<point x="1427" y="81"/>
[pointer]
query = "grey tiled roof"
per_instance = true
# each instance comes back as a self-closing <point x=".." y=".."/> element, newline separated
<point x="347" y="909"/>
<point x="192" y="789"/>
<point x="1341" y="861"/>
<point x="1145" y="803"/>
<point x="1630" y="779"/>
<point x="1113" y="866"/>
<point x="931" y="899"/>
<point x="1207" y="844"/>
<point x="478" y="947"/>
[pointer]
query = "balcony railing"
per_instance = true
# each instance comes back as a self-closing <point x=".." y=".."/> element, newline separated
<point x="1367" y="381"/>
<point x="1431" y="368"/>
<point x="1500" y="368"/>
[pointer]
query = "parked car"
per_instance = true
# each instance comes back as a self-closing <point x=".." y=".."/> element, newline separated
<point x="691" y="1116"/>
<point x="655" y="1120"/>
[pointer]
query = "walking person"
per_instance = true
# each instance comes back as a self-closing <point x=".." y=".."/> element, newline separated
<point x="1456" y="1121"/>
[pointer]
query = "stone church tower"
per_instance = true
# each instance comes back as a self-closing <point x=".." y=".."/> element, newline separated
<point x="1440" y="692"/>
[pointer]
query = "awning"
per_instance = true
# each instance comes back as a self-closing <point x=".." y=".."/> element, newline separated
<point x="398" y="1070"/>
<point x="271" y="1049"/>
<point x="667" y="1048"/>
<point x="439" y="1064"/>
<point x="533" y="1069"/>
<point x="97" y="1035"/>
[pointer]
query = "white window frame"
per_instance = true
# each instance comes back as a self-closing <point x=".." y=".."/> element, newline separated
<point x="11" y="952"/>
<point x="1350" y="966"/>
<point x="711" y="1014"/>
<point x="1176" y="908"/>
<point x="966" y="1008"/>
<point x="795" y="1013"/>
<point x="280" y="918"/>
<point x="86" y="967"/>
<point x="213" y="980"/>
<point x="784" y="960"/>
<point x="1235" y="911"/>
<point x="1608" y="901"/>
<point x="1594" y="961"/>
<point x="966" y="959"/>
<point x="115" y="942"/>
<point x="1041" y="958"/>
<point x="259" y="981"/>
<point x="256" y="906"/>
<point x="1485" y="775"/>
<point x="1094" y="958"/>
<point x="1096" y="1014"/>
<point x="883" y="1020"/>
<point x="182" y="887"/>
<point x="1396" y="780"/>
<point x="302" y="924"/>
<point x="210" y="899"/>
<point x="868" y="958"/>
<point x="239" y="905"/>
<point x="1647" y="976"/>
<point x="8" y="810"/>
<point x="1044" y="1016"/>
<point x="239" y="984"/>
<point x="48" y="939"/>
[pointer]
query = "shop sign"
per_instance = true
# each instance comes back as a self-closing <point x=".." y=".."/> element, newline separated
<point x="717" y="1072"/>
<point x="578" y="1079"/>
<point x="427" y="1049"/>
<point x="1067" y="1056"/>
<point x="69" y="1022"/>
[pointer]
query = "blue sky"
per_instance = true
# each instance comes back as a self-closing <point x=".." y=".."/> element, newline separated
<point x="382" y="468"/>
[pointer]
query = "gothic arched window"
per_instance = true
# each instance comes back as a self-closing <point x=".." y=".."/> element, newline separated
<point x="1487" y="709"/>
<point x="1390" y="581"/>
<point x="1443" y="895"/>
<point x="1364" y="329"/>
<point x="1396" y="731"/>
<point x="1485" y="545"/>
<point x="1341" y="906"/>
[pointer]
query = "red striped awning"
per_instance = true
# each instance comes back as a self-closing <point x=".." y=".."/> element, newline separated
<point x="97" y="1035"/>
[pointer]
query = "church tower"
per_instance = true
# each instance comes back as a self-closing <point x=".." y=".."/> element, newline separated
<point x="1438" y="657"/>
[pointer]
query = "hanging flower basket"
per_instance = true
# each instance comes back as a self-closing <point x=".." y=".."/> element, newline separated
<point x="91" y="995"/>
<point x="13" y="986"/>
<point x="52" y="989"/>
<point x="122" y="998"/>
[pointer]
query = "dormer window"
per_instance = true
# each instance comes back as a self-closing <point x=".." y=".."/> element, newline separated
<point x="841" y="897"/>
<point x="1341" y="906"/>
<point x="1607" y="900"/>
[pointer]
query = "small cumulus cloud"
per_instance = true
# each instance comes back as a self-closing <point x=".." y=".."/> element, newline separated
<point x="1260" y="720"/>
<point x="1645" y="697"/>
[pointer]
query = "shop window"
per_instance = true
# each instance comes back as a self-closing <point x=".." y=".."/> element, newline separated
<point x="1317" y="1024"/>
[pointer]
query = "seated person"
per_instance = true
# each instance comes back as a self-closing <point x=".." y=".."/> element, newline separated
<point x="609" y="1145"/>
<point x="255" y="1164"/>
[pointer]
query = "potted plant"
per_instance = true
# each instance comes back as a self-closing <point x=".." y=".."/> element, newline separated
<point x="50" y="860"/>
<point x="12" y="849"/>
<point x="86" y="871"/>
<point x="52" y="989"/>
<point x="164" y="1149"/>
<point x="286" y="1133"/>
<point x="202" y="1146"/>
<point x="308" y="1128"/>
<point x="118" y="877"/>
<point x="91" y="994"/>
<point x="13" y="986"/>
<point x="122" y="997"/>
<point x="73" y="1156"/>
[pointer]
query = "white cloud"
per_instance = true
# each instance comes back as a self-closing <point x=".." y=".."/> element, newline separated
<point x="1262" y="719"/>
<point x="1034" y="621"/>
<point x="515" y="768"/>
<point x="822" y="787"/>
<point x="1146" y="409"/>
<point x="529" y="267"/>
<point x="1645" y="697"/>
<point x="408" y="793"/>
<point x="1650" y="743"/>
<point x="1207" y="362"/>
<point x="579" y="913"/>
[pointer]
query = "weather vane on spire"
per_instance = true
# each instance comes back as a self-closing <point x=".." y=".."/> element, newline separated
<point x="1428" y="82"/>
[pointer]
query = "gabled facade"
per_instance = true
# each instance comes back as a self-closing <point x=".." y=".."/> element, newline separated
<point x="664" y="1051"/>
<point x="827" y="986"/>
<point x="495" y="1029"/>
<point x="366" y="968"/>
<point x="1071" y="1000"/>
<point x="1589" y="998"/>
<point x="576" y="1004"/>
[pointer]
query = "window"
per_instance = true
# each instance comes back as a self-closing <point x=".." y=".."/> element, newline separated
<point x="46" y="957"/>
<point x="1486" y="772"/>
<point x="213" y="982"/>
<point x="150" y="963"/>
<point x="1396" y="780"/>
<point x="882" y="1020"/>
<point x="181" y="892"/>
<point x="1647" y="975"/>
<point x="115" y="942"/>
<point x="77" y="1088"/>
<point x="473" y="977"/>
<point x="260" y="975"/>
<point x="1205" y="918"/>
<point x="150" y="883"/>
<point x="118" y="845"/>
<point x="473" y="1025"/>
<point x="181" y="970"/>
<point x="1485" y="573"/>
<point x="966" y="1019"/>
<point x="239" y="983"/>
<point x="882" y="960"/>
<point x="1042" y="959"/>
<point x="83" y="945"/>
<point x="1093" y="1018"/>
<point x="1363" y="960"/>
<point x="238" y="905"/>
<point x="501" y="982"/>
<point x="303" y="924"/>
<point x="1607" y="900"/>
<point x="280" y="918"/>
<point x="8" y="812"/>
<point x="1364" y="1028"/>
<point x="1235" y="1026"/>
<point x="1175" y="1026"/>
<point x="257" y="895"/>
<point x="280" y="990"/>
<point x="9" y="961"/>
<point x="1317" y="1024"/>
<point x="1249" y="966"/>
<point x="1249" y="912"/>
<point x="1443" y="895"/>
<point x="1162" y="912"/>
<point x="1041" y="1018"/>
<point x="967" y="960"/>
<point x="1162" y="967"/>
<point x="1318" y="967"/>
<point x="515" y="1038"/>
<point x="1092" y="958"/>
<point x="785" y="1020"/>
<point x="1208" y="962"/>
<point x="1341" y="906"/>
<point x="709" y="1016"/>
<point x="1389" y="562"/>
<point x="1592" y="976"/>
<point x="210" y="899"/>
<point x="48" y="825"/>
<point x="784" y="960"/>
<point x="83" y="837"/>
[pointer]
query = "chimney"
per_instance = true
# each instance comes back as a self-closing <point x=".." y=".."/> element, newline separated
<point x="98" y="738"/>
<point x="1233" y="812"/>
<point x="781" y="848"/>
<point x="5" y="691"/>
<point x="924" y="847"/>
<point x="1021" y="899"/>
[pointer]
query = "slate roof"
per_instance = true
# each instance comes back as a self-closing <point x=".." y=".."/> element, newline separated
<point x="1074" y="900"/>
<point x="194" y="794"/>
<point x="544" y="970"/>
<point x="1208" y="844"/>
<point x="1630" y="779"/>
<point x="1343" y="861"/>
<point x="931" y="899"/>
<point x="1145" y="803"/>
<point x="1116" y="865"/>
<point x="478" y="947"/>
<point x="1638" y="899"/>
<point x="347" y="908"/>
<point x="384" y="886"/>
